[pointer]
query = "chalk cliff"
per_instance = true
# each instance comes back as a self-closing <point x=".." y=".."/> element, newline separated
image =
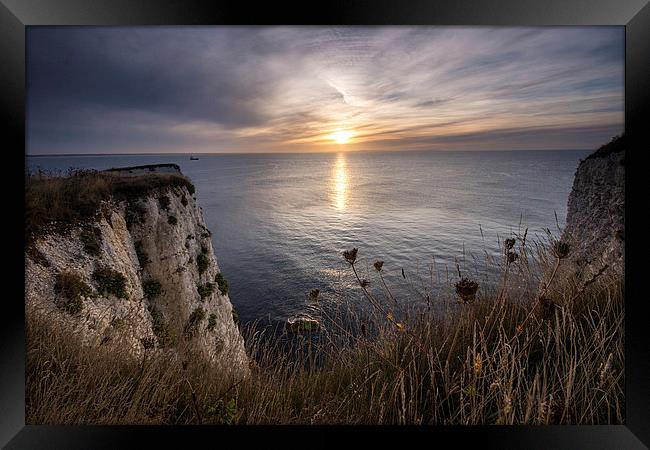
<point x="595" y="228"/>
<point x="141" y="276"/>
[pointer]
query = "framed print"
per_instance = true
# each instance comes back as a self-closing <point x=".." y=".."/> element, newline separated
<point x="356" y="220"/>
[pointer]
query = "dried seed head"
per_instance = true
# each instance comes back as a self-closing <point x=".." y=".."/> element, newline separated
<point x="364" y="283"/>
<point x="378" y="265"/>
<point x="509" y="243"/>
<point x="466" y="289"/>
<point x="314" y="294"/>
<point x="560" y="249"/>
<point x="350" y="255"/>
<point x="512" y="257"/>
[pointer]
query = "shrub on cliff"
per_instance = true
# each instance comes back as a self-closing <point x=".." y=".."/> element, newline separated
<point x="164" y="333"/>
<point x="172" y="220"/>
<point x="222" y="283"/>
<point x="110" y="281"/>
<point x="205" y="290"/>
<point x="164" y="202"/>
<point x="192" y="324"/>
<point x="70" y="287"/>
<point x="151" y="289"/>
<point x="212" y="322"/>
<point x="202" y="262"/>
<point x="91" y="238"/>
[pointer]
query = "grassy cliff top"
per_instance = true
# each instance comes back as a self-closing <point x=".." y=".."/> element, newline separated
<point x="70" y="200"/>
<point x="616" y="145"/>
<point x="146" y="169"/>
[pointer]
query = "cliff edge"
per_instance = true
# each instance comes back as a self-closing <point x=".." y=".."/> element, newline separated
<point x="124" y="258"/>
<point x="595" y="228"/>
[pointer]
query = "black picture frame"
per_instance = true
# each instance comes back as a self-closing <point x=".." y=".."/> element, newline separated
<point x="16" y="15"/>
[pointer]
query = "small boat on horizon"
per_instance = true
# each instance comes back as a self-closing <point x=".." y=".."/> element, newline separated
<point x="193" y="158"/>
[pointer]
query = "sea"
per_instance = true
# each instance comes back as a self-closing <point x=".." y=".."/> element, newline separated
<point x="280" y="222"/>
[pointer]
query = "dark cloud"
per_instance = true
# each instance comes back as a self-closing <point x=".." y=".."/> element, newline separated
<point x="155" y="71"/>
<point x="248" y="88"/>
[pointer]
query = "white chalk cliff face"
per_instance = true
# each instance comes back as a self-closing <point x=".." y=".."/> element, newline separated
<point x="595" y="228"/>
<point x="172" y="302"/>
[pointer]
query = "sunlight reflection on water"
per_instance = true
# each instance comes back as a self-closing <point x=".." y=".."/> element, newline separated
<point x="340" y="182"/>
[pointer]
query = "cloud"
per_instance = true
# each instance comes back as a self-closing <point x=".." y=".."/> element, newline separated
<point x="285" y="88"/>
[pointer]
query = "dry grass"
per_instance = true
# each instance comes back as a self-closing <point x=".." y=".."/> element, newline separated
<point x="76" y="199"/>
<point x="506" y="358"/>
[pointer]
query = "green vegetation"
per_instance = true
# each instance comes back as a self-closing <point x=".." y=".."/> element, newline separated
<point x="70" y="287"/>
<point x="222" y="412"/>
<point x="202" y="262"/>
<point x="56" y="203"/>
<point x="212" y="322"/>
<point x="222" y="283"/>
<point x="205" y="290"/>
<point x="172" y="220"/>
<point x="164" y="333"/>
<point x="110" y="281"/>
<point x="151" y="289"/>
<point x="91" y="238"/>
<point x="193" y="322"/>
<point x="164" y="202"/>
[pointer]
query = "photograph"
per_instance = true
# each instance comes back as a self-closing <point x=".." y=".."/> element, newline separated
<point x="325" y="225"/>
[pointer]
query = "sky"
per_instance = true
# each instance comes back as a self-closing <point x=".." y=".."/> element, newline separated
<point x="303" y="89"/>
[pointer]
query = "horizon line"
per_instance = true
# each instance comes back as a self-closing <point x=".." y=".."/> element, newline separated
<point x="304" y="153"/>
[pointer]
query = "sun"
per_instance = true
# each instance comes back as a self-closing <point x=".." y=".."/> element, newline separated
<point x="341" y="136"/>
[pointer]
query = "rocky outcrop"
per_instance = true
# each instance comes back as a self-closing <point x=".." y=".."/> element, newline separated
<point x="595" y="228"/>
<point x="142" y="275"/>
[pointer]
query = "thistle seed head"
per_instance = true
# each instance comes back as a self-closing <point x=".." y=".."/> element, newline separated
<point x="351" y="255"/>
